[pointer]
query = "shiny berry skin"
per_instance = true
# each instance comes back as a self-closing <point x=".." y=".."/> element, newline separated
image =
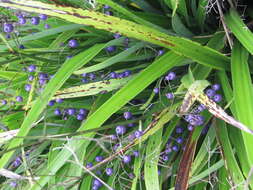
<point x="169" y="95"/>
<point x="156" y="90"/>
<point x="19" y="99"/>
<point x="110" y="49"/>
<point x="180" y="140"/>
<point x="51" y="103"/>
<point x="128" y="115"/>
<point x="21" y="20"/>
<point x="138" y="134"/>
<point x="57" y="111"/>
<point x="97" y="183"/>
<point x="175" y="148"/>
<point x="216" y="87"/>
<point x="126" y="159"/>
<point x="8" y="28"/>
<point x="170" y="76"/>
<point x="99" y="158"/>
<point x="73" y="43"/>
<point x="35" y="20"/>
<point x="31" y="68"/>
<point x="113" y="75"/>
<point x="160" y="52"/>
<point x="28" y="87"/>
<point x="120" y="130"/>
<point x="80" y="117"/>
<point x="4" y="102"/>
<point x="30" y="78"/>
<point x="43" y="17"/>
<point x="210" y="93"/>
<point x="71" y="111"/>
<point x="58" y="100"/>
<point x="217" y="98"/>
<point x="109" y="171"/>
<point x="165" y="158"/>
<point x="83" y="111"/>
<point x="127" y="73"/>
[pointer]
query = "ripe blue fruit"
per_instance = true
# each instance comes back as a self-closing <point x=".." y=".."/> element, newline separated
<point x="57" y="111"/>
<point x="28" y="87"/>
<point x="31" y="68"/>
<point x="217" y="98"/>
<point x="156" y="90"/>
<point x="111" y="49"/>
<point x="73" y="43"/>
<point x="127" y="115"/>
<point x="19" y="98"/>
<point x="8" y="28"/>
<point x="126" y="159"/>
<point x="80" y="117"/>
<point x="35" y="20"/>
<point x="210" y="92"/>
<point x="43" y="17"/>
<point x="169" y="95"/>
<point x="120" y="130"/>
<point x="109" y="171"/>
<point x="21" y="20"/>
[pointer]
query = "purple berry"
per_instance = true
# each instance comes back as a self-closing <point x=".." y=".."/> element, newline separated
<point x="8" y="36"/>
<point x="109" y="13"/>
<point x="179" y="130"/>
<point x="165" y="157"/>
<point x="21" y="20"/>
<point x="43" y="17"/>
<point x="109" y="171"/>
<point x="8" y="28"/>
<point x="30" y="78"/>
<point x="42" y="82"/>
<point x="197" y="120"/>
<point x="47" y="26"/>
<point x="51" y="103"/>
<point x="128" y="115"/>
<point x="21" y="46"/>
<point x="17" y="162"/>
<point x="111" y="49"/>
<point x="120" y="130"/>
<point x="127" y="73"/>
<point x="190" y="128"/>
<point x="73" y="43"/>
<point x="113" y="75"/>
<point x="113" y="137"/>
<point x="80" y="117"/>
<point x="57" y="111"/>
<point x="84" y="80"/>
<point x="107" y="7"/>
<point x="180" y="140"/>
<point x="156" y="90"/>
<point x="4" y="102"/>
<point x="99" y="158"/>
<point x="71" y="111"/>
<point x="31" y="68"/>
<point x="43" y="76"/>
<point x="175" y="148"/>
<point x="201" y="108"/>
<point x="138" y="134"/>
<point x="160" y="52"/>
<point x="19" y="98"/>
<point x="136" y="153"/>
<point x="210" y="93"/>
<point x="83" y="111"/>
<point x="216" y="87"/>
<point x="217" y="98"/>
<point x="59" y="100"/>
<point x="97" y="183"/>
<point x="170" y="76"/>
<point x="28" y="87"/>
<point x="169" y="95"/>
<point x="168" y="150"/>
<point x="130" y="125"/>
<point x="89" y="165"/>
<point x="35" y="20"/>
<point x="13" y="184"/>
<point x="92" y="76"/>
<point x="126" y="159"/>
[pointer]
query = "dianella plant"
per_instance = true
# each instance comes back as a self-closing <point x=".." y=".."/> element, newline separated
<point x="126" y="94"/>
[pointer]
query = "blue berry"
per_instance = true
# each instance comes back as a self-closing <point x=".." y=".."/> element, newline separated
<point x="120" y="130"/>
<point x="35" y="20"/>
<point x="210" y="93"/>
<point x="217" y="98"/>
<point x="197" y="120"/>
<point x="57" y="111"/>
<point x="180" y="140"/>
<point x="59" y="100"/>
<point x="21" y="46"/>
<point x="109" y="171"/>
<point x="168" y="150"/>
<point x="127" y="73"/>
<point x="8" y="28"/>
<point x="4" y="102"/>
<point x="126" y="159"/>
<point x="175" y="148"/>
<point x="17" y="162"/>
<point x="21" y="20"/>
<point x="31" y="68"/>
<point x="92" y="76"/>
<point x="190" y="128"/>
<point x="73" y="43"/>
<point x="130" y="125"/>
<point x="165" y="157"/>
<point x="28" y="87"/>
<point x="30" y="78"/>
<point x="136" y="153"/>
<point x="113" y="75"/>
<point x="80" y="117"/>
<point x="170" y="76"/>
<point x="160" y="52"/>
<point x="42" y="82"/>
<point x="99" y="158"/>
<point x="169" y="95"/>
<point x="107" y="7"/>
<point x="71" y="111"/>
<point x="43" y="17"/>
<point x="83" y="111"/>
<point x="127" y="115"/>
<point x="97" y="183"/>
<point x="8" y="36"/>
<point x="156" y="90"/>
<point x="51" y="103"/>
<point x="19" y="99"/>
<point x="84" y="80"/>
<point x="113" y="137"/>
<point x="216" y="87"/>
<point x="109" y="13"/>
<point x="138" y="134"/>
<point x="47" y="26"/>
<point x="13" y="184"/>
<point x="43" y="76"/>
<point x="111" y="49"/>
<point x="179" y="130"/>
<point x="89" y="165"/>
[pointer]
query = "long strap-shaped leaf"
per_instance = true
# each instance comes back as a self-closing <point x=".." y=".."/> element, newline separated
<point x="182" y="46"/>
